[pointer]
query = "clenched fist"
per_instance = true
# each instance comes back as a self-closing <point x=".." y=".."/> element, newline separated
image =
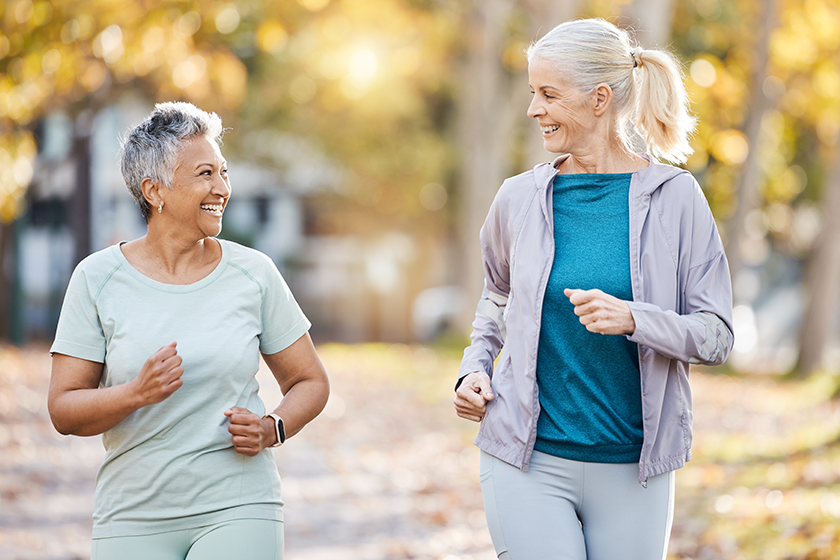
<point x="160" y="376"/>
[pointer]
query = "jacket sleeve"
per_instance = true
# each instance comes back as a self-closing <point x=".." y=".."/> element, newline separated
<point x="488" y="335"/>
<point x="701" y="333"/>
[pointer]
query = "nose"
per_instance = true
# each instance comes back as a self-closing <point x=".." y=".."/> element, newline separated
<point x="535" y="109"/>
<point x="221" y="186"/>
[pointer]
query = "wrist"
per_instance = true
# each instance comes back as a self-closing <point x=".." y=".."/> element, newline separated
<point x="276" y="429"/>
<point x="132" y="395"/>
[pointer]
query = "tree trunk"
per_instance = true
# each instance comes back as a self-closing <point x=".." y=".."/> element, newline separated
<point x="748" y="193"/>
<point x="650" y="20"/>
<point x="822" y="281"/>
<point x="486" y="127"/>
<point x="545" y="16"/>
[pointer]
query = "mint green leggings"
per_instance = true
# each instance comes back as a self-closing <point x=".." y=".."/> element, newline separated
<point x="255" y="539"/>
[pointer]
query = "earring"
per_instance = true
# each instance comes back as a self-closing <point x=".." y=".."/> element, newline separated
<point x="160" y="208"/>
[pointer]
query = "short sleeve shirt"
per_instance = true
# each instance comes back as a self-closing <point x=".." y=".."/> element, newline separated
<point x="172" y="465"/>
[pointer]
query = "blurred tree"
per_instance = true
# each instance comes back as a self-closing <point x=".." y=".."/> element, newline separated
<point x="79" y="56"/>
<point x="814" y="93"/>
<point x="758" y="107"/>
<point x="822" y="280"/>
<point x="360" y="88"/>
<point x="486" y="113"/>
<point x="652" y="21"/>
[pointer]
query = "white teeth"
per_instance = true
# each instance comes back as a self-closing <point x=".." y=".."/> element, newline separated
<point x="214" y="208"/>
<point x="549" y="129"/>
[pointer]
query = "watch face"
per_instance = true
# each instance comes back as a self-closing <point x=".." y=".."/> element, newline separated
<point x="281" y="430"/>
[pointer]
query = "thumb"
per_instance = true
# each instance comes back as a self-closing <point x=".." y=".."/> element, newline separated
<point x="485" y="390"/>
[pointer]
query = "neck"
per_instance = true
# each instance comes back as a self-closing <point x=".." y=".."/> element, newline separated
<point x="603" y="153"/>
<point x="173" y="255"/>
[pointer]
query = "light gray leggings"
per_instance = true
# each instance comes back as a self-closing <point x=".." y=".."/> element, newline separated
<point x="570" y="510"/>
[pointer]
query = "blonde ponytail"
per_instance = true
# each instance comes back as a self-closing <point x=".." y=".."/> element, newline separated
<point x="647" y="85"/>
<point x="662" y="116"/>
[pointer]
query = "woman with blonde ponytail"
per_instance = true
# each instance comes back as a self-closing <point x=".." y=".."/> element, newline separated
<point x="605" y="277"/>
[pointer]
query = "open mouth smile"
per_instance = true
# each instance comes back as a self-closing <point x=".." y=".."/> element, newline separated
<point x="215" y="209"/>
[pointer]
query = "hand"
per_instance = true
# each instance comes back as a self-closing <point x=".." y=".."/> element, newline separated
<point x="160" y="376"/>
<point x="250" y="436"/>
<point x="472" y="396"/>
<point x="601" y="313"/>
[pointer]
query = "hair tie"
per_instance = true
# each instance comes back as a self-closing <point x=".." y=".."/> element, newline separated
<point x="635" y="62"/>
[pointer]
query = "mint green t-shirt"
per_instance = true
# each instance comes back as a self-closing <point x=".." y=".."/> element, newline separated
<point x="172" y="465"/>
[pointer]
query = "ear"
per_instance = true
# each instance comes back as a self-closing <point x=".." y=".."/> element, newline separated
<point x="601" y="98"/>
<point x="151" y="192"/>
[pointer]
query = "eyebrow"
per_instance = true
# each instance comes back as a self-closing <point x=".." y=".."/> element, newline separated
<point x="207" y="164"/>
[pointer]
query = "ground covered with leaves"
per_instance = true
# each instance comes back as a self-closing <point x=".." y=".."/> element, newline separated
<point x="389" y="472"/>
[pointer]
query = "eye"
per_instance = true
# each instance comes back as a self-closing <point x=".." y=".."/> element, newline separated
<point x="206" y="172"/>
<point x="224" y="172"/>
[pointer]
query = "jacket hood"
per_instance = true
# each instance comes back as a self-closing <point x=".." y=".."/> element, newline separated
<point x="651" y="177"/>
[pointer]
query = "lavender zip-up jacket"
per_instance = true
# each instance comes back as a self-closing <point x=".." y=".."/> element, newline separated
<point x="682" y="306"/>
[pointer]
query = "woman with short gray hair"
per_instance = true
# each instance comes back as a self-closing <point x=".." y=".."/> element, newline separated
<point x="157" y="348"/>
<point x="605" y="277"/>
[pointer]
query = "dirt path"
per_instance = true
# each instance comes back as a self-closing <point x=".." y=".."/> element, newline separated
<point x="387" y="472"/>
<point x="382" y="474"/>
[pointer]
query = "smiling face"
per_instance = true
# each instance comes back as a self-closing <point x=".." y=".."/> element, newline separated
<point x="565" y="115"/>
<point x="200" y="189"/>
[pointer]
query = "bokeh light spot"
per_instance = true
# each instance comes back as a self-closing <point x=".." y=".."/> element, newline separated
<point x="188" y="24"/>
<point x="23" y="11"/>
<point x="363" y="66"/>
<point x="271" y="37"/>
<point x="703" y="73"/>
<point x="109" y="44"/>
<point x="730" y="146"/>
<point x="70" y="31"/>
<point x="189" y="71"/>
<point x="227" y="20"/>
<point x="433" y="197"/>
<point x="51" y="61"/>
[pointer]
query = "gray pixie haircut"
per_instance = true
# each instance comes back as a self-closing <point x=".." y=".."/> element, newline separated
<point x="150" y="150"/>
<point x="647" y="84"/>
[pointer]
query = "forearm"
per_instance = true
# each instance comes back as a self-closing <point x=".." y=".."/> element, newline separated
<point x="697" y="338"/>
<point x="487" y="337"/>
<point x="90" y="412"/>
<point x="302" y="403"/>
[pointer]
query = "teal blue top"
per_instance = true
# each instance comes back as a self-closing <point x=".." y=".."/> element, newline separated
<point x="171" y="465"/>
<point x="589" y="384"/>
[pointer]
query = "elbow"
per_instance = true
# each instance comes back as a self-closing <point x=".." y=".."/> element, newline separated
<point x="324" y="393"/>
<point x="714" y="342"/>
<point x="62" y="422"/>
<point x="57" y="419"/>
<point x="62" y="426"/>
<point x="715" y="351"/>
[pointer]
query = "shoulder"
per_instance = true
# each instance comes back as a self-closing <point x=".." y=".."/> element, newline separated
<point x="674" y="187"/>
<point x="246" y="257"/>
<point x="254" y="265"/>
<point x="96" y="268"/>
<point x="517" y="193"/>
<point x="527" y="182"/>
